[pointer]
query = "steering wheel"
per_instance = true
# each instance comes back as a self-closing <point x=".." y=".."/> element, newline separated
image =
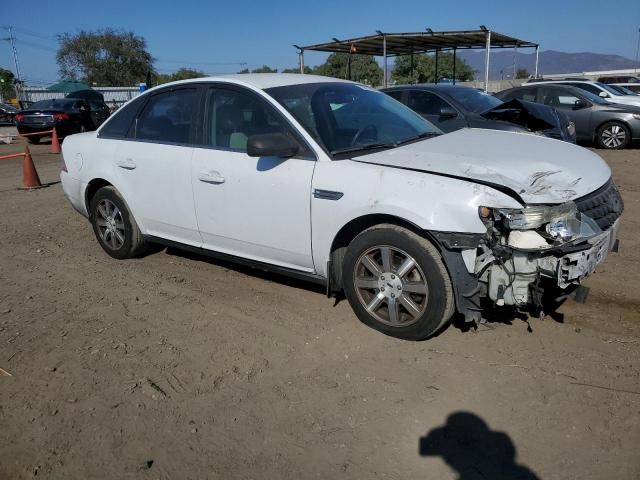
<point x="371" y="128"/>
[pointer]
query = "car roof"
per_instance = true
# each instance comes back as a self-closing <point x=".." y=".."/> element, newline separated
<point x="261" y="80"/>
<point x="430" y="86"/>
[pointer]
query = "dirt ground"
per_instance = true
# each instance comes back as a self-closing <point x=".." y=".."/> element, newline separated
<point x="173" y="366"/>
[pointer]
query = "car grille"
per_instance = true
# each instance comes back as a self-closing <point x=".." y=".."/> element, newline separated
<point x="604" y="205"/>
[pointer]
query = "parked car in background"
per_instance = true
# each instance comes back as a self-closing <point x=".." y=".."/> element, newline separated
<point x="452" y="107"/>
<point x="66" y="115"/>
<point x="98" y="108"/>
<point x="337" y="183"/>
<point x="619" y="79"/>
<point x="8" y="114"/>
<point x="600" y="89"/>
<point x="610" y="125"/>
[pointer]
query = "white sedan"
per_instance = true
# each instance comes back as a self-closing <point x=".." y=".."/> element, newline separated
<point x="340" y="184"/>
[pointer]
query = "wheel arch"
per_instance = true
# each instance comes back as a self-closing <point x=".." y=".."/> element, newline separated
<point x="353" y="228"/>
<point x="92" y="187"/>
<point x="594" y="137"/>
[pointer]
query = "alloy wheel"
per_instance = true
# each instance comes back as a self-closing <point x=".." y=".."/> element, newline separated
<point x="613" y="136"/>
<point x="110" y="224"/>
<point x="391" y="286"/>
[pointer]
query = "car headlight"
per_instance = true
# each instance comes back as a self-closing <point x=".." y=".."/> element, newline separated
<point x="529" y="218"/>
<point x="558" y="223"/>
<point x="636" y="116"/>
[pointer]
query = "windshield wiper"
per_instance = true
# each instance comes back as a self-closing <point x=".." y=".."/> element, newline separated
<point x="358" y="148"/>
<point x="420" y="136"/>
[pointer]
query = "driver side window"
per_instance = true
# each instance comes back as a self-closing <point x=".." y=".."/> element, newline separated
<point x="233" y="116"/>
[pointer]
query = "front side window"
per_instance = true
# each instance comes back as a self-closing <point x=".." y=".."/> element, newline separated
<point x="347" y="118"/>
<point x="168" y="116"/>
<point x="233" y="116"/>
<point x="426" y="103"/>
<point x="559" y="97"/>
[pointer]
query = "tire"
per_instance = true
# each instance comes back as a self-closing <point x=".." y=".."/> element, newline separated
<point x="115" y="228"/>
<point x="33" y="140"/>
<point x="421" y="294"/>
<point x="613" y="136"/>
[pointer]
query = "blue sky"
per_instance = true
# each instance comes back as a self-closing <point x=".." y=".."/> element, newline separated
<point x="217" y="36"/>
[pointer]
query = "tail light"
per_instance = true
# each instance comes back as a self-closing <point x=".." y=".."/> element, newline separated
<point x="19" y="117"/>
<point x="60" y="116"/>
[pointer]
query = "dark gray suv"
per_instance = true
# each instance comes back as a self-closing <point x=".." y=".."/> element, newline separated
<point x="610" y="125"/>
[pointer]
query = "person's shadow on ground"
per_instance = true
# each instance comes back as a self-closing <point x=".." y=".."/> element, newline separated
<point x="473" y="450"/>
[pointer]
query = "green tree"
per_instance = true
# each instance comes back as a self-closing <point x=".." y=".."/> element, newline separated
<point x="264" y="69"/>
<point x="364" y="68"/>
<point x="424" y="70"/>
<point x="522" y="73"/>
<point x="104" y="57"/>
<point x="7" y="84"/>
<point x="307" y="70"/>
<point x="181" y="74"/>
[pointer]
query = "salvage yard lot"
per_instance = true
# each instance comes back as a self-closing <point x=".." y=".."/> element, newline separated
<point x="175" y="366"/>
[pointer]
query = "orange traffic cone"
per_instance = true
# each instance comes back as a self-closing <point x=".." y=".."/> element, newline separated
<point x="55" y="143"/>
<point x="30" y="178"/>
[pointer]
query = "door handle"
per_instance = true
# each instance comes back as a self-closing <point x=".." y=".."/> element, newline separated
<point x="211" y="177"/>
<point x="127" y="164"/>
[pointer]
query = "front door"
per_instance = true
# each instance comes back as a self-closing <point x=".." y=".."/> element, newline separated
<point x="256" y="208"/>
<point x="153" y="166"/>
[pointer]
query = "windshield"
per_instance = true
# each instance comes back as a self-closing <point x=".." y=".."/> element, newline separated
<point x="474" y="100"/>
<point x="622" y="90"/>
<point x="351" y="118"/>
<point x="592" y="97"/>
<point x="609" y="89"/>
<point x="8" y="108"/>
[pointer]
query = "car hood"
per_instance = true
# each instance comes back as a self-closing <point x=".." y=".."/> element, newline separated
<point x="532" y="168"/>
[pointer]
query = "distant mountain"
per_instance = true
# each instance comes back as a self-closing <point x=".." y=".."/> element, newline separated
<point x="550" y="62"/>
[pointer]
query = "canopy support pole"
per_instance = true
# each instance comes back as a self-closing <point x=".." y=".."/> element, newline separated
<point x="301" y="60"/>
<point x="454" y="65"/>
<point x="384" y="56"/>
<point x="412" y="67"/>
<point x="436" y="79"/>
<point x="486" y="61"/>
<point x="535" y="75"/>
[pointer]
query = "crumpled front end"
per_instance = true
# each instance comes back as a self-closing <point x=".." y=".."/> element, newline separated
<point x="530" y="253"/>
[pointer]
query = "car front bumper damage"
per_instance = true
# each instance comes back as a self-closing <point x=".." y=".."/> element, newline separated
<point x="512" y="275"/>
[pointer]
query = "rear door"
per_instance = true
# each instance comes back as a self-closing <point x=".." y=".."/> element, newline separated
<point x="153" y="165"/>
<point x="430" y="106"/>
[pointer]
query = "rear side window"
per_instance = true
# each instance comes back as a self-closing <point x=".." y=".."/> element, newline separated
<point x="118" y="124"/>
<point x="168" y="116"/>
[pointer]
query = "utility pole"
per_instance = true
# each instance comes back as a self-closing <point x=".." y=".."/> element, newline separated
<point x="637" y="49"/>
<point x="12" y="40"/>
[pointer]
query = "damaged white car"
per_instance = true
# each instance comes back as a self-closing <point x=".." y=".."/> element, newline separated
<point x="337" y="183"/>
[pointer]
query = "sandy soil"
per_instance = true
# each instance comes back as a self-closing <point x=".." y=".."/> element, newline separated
<point x="177" y="367"/>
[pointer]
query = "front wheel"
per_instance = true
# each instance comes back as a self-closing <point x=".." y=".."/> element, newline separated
<point x="396" y="282"/>
<point x="115" y="228"/>
<point x="613" y="136"/>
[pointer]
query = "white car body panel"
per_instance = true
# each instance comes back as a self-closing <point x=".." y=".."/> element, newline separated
<point x="556" y="171"/>
<point x="256" y="208"/>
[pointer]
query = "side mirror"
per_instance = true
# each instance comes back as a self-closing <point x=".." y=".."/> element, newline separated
<point x="272" y="145"/>
<point x="448" y="112"/>
<point x="603" y="95"/>
<point x="580" y="103"/>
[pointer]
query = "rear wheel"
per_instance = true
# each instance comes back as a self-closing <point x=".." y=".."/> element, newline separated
<point x="396" y="282"/>
<point x="114" y="226"/>
<point x="613" y="135"/>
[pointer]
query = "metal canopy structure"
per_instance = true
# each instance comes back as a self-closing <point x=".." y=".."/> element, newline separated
<point x="385" y="45"/>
